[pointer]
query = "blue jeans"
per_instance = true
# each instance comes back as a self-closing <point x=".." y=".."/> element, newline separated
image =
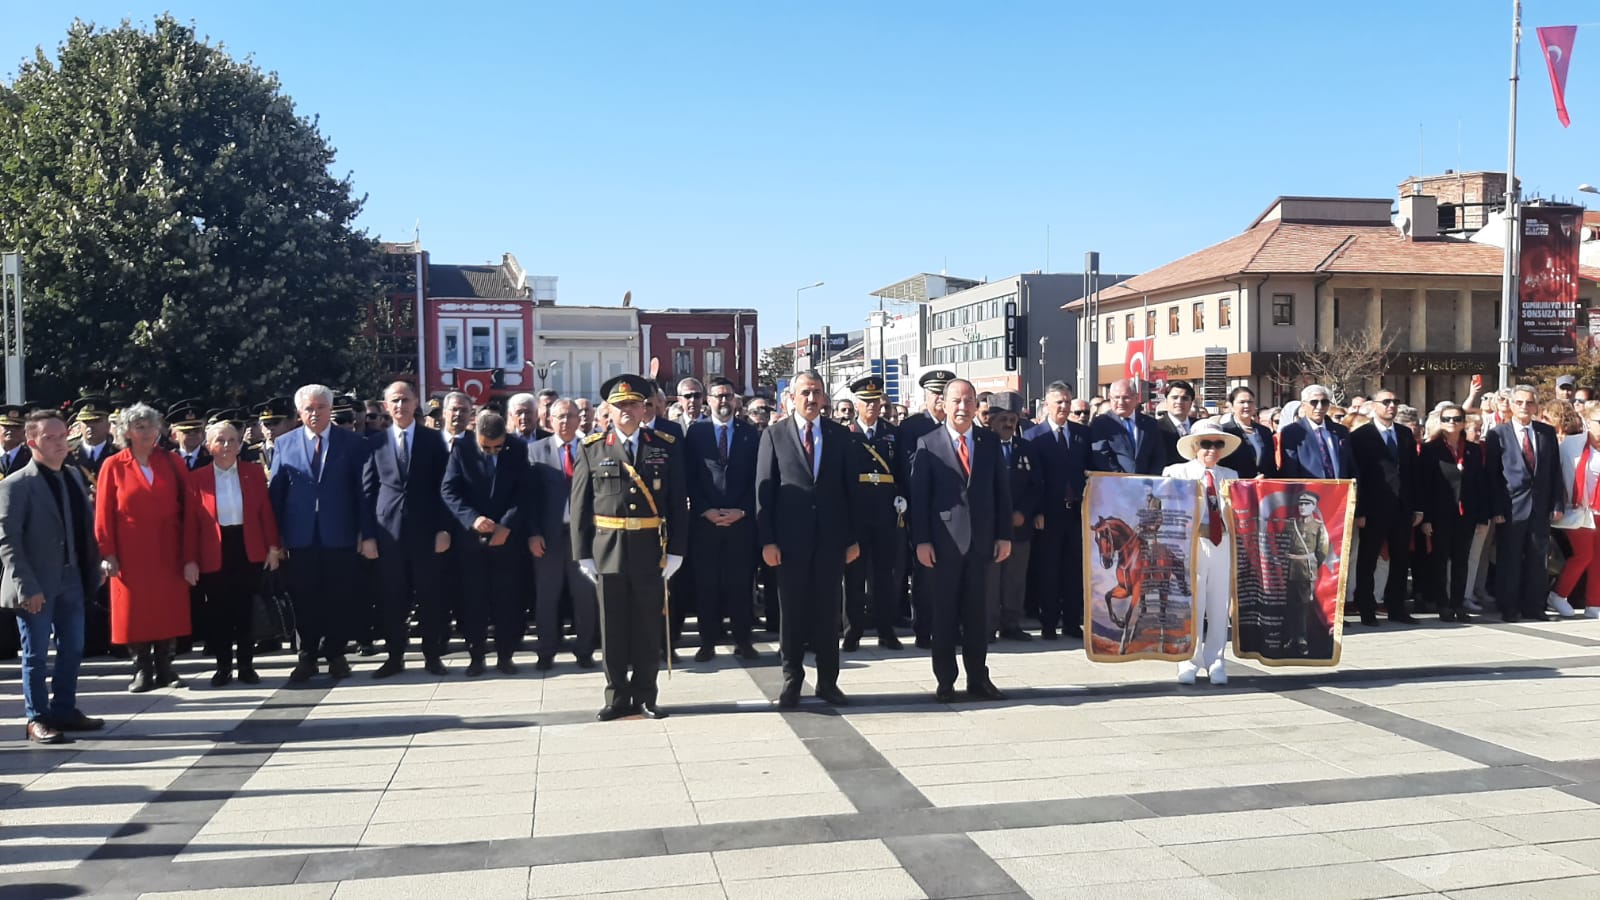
<point x="62" y="614"/>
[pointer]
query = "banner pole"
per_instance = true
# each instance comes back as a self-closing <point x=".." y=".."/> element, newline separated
<point x="1509" y="273"/>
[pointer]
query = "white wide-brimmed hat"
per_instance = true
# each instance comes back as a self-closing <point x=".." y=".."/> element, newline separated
<point x="1189" y="444"/>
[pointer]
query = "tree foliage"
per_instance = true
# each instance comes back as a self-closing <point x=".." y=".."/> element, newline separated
<point x="775" y="363"/>
<point x="180" y="228"/>
<point x="1352" y="361"/>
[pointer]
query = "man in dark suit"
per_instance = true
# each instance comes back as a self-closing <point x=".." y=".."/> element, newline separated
<point x="629" y="511"/>
<point x="806" y="523"/>
<point x="488" y="488"/>
<point x="1257" y="453"/>
<point x="317" y="496"/>
<point x="1387" y="507"/>
<point x="408" y="530"/>
<point x="1177" y="419"/>
<point x="1525" y="495"/>
<point x="51" y="564"/>
<point x="720" y="465"/>
<point x="873" y="584"/>
<point x="1062" y="446"/>
<point x="931" y="418"/>
<point x="1126" y="440"/>
<point x="555" y="570"/>
<point x="1315" y="446"/>
<point x="14" y="454"/>
<point x="1008" y="581"/>
<point x="961" y="526"/>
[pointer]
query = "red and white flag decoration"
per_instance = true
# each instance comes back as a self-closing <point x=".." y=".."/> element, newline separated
<point x="476" y="383"/>
<point x="1136" y="364"/>
<point x="1557" y="43"/>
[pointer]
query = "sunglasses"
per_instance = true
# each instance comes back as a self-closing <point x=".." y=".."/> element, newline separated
<point x="1452" y="420"/>
<point x="692" y="396"/>
<point x="1322" y="402"/>
<point x="1388" y="402"/>
<point x="1212" y="445"/>
<point x="1078" y="412"/>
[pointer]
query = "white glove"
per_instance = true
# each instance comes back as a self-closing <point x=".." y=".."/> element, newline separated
<point x="674" y="563"/>
<point x="900" y="505"/>
<point x="586" y="566"/>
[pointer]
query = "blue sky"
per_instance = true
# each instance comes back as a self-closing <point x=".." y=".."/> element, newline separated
<point x="710" y="154"/>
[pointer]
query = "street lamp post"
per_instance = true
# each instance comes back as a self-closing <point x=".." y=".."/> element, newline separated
<point x="543" y="370"/>
<point x="796" y="360"/>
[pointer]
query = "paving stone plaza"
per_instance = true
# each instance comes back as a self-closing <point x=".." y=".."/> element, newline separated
<point x="1440" y="761"/>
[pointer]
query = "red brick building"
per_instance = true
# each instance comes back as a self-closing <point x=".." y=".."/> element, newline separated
<point x="701" y="343"/>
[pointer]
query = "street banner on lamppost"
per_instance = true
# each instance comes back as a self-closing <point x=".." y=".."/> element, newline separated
<point x="1547" y="308"/>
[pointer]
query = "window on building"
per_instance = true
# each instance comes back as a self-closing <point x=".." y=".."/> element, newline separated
<point x="1336" y="312"/>
<point x="1149" y="323"/>
<point x="511" y="346"/>
<point x="1172" y="320"/>
<point x="713" y="362"/>
<point x="1283" y="309"/>
<point x="1199" y="314"/>
<point x="586" y="383"/>
<point x="481" y="350"/>
<point x="1127" y="326"/>
<point x="452" y="347"/>
<point x="1111" y="329"/>
<point x="1224" y="312"/>
<point x="682" y="363"/>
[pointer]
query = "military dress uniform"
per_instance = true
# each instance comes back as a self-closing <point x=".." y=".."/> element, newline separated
<point x="88" y="460"/>
<point x="629" y="513"/>
<point x="873" y="583"/>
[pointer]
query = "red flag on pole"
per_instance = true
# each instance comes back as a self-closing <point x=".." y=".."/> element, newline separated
<point x="1557" y="43"/>
<point x="1136" y="364"/>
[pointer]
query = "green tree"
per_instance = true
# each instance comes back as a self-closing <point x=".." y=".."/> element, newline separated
<point x="181" y="231"/>
<point x="775" y="363"/>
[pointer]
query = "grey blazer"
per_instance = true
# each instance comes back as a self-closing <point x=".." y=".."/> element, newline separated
<point x="32" y="536"/>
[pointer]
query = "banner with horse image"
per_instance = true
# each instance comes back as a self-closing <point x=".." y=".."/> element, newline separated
<point x="1291" y="542"/>
<point x="1138" y="570"/>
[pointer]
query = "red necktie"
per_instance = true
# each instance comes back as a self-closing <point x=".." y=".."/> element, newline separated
<point x="961" y="451"/>
<point x="811" y="451"/>
<point x="1527" y="447"/>
<point x="566" y="461"/>
<point x="722" y="441"/>
<point x="1213" y="509"/>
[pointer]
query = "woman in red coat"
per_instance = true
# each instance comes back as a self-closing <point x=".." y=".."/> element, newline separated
<point x="139" y="524"/>
<point x="234" y="534"/>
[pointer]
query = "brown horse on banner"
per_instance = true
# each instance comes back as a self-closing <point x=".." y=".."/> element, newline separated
<point x="1120" y="544"/>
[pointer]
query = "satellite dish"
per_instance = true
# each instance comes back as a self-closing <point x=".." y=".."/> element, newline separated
<point x="627" y="300"/>
<point x="655" y="367"/>
<point x="1404" y="224"/>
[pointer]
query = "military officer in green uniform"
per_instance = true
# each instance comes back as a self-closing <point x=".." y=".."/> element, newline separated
<point x="1308" y="549"/>
<point x="277" y="418"/>
<point x="629" y="529"/>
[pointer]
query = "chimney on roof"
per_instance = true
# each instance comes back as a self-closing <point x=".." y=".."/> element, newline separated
<point x="1419" y="216"/>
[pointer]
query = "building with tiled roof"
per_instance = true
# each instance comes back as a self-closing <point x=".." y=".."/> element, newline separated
<point x="1306" y="269"/>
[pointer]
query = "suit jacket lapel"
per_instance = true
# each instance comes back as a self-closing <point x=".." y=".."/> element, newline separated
<point x="797" y="454"/>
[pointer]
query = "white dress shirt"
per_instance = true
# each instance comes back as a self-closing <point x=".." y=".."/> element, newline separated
<point x="230" y="496"/>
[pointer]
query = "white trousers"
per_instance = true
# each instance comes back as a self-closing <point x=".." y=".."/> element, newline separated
<point x="1215" y="569"/>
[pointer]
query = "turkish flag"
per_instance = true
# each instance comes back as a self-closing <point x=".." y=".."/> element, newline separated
<point x="475" y="383"/>
<point x="1136" y="364"/>
<point x="1557" y="43"/>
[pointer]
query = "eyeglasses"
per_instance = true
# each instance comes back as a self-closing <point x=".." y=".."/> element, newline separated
<point x="1078" y="412"/>
<point x="1211" y="445"/>
<point x="1452" y="420"/>
<point x="1388" y="401"/>
<point x="692" y="395"/>
<point x="1321" y="401"/>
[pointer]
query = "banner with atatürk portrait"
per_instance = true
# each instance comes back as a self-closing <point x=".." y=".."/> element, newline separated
<point x="1138" y="567"/>
<point x="1291" y="540"/>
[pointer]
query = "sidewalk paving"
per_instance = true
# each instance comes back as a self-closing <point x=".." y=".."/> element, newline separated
<point x="1436" y="761"/>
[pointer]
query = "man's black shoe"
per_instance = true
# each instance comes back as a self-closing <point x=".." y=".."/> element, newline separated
<point x="890" y="642"/>
<point x="790" y="697"/>
<point x="76" y="722"/>
<point x="746" y="651"/>
<point x="1370" y="620"/>
<point x="394" y="665"/>
<point x="650" y="710"/>
<point x="368" y="649"/>
<point x="586" y="660"/>
<point x="433" y="665"/>
<point x="852" y="643"/>
<point x="924" y="643"/>
<point x="544" y="663"/>
<point x="338" y="668"/>
<point x="1049" y="634"/>
<point x="222" y="678"/>
<point x="984" y="691"/>
<point x="505" y="666"/>
<point x="616" y="710"/>
<point x="945" y="694"/>
<point x="476" y="667"/>
<point x="1015" y="634"/>
<point x="247" y="675"/>
<point x="832" y="695"/>
<point x="1073" y="630"/>
<point x="705" y="654"/>
<point x="304" y="670"/>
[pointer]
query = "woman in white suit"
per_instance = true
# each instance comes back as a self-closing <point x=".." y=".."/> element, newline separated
<point x="1580" y="466"/>
<point x="1204" y="445"/>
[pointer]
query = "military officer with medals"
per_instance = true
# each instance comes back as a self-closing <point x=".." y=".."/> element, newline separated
<point x="629" y="530"/>
<point x="188" y="433"/>
<point x="929" y="420"/>
<point x="873" y="581"/>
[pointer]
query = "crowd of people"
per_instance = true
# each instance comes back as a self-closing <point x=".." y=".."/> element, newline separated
<point x="609" y="524"/>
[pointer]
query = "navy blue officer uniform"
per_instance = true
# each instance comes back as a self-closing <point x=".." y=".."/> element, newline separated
<point x="873" y="583"/>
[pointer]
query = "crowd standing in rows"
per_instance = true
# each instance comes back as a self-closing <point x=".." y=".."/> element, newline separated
<point x="836" y="520"/>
